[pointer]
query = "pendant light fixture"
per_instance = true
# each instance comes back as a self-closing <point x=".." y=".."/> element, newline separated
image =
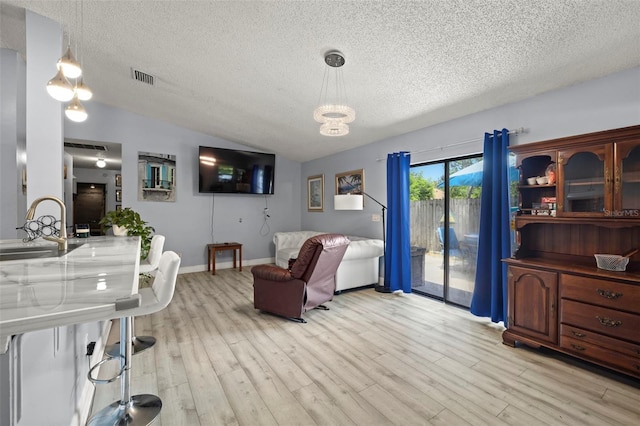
<point x="75" y="111"/>
<point x="68" y="64"/>
<point x="101" y="163"/>
<point x="334" y="114"/>
<point x="59" y="88"/>
<point x="82" y="90"/>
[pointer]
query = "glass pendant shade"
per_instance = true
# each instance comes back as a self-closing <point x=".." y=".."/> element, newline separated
<point x="334" y="128"/>
<point x="82" y="91"/>
<point x="326" y="113"/>
<point x="75" y="111"/>
<point x="69" y="66"/>
<point x="59" y="88"/>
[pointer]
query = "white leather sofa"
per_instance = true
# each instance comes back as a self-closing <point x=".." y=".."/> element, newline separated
<point x="359" y="266"/>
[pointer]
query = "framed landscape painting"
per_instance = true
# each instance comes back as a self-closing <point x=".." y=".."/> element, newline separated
<point x="315" y="193"/>
<point x="350" y="182"/>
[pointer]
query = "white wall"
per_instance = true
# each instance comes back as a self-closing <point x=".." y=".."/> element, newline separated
<point x="44" y="114"/>
<point x="10" y="64"/>
<point x="194" y="219"/>
<point x="605" y="103"/>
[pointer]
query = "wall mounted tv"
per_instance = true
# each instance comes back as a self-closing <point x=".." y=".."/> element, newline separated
<point x="232" y="171"/>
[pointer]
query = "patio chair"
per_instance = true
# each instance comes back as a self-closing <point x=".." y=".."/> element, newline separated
<point x="454" y="245"/>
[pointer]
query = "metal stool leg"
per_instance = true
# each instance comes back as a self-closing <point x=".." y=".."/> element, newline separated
<point x="129" y="410"/>
<point x="139" y="343"/>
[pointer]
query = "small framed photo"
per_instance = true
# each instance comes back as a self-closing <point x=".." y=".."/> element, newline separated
<point x="118" y="207"/>
<point x="350" y="183"/>
<point x="315" y="193"/>
<point x="118" y="195"/>
<point x="118" y="180"/>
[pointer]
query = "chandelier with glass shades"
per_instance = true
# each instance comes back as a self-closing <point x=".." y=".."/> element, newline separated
<point x="61" y="89"/>
<point x="333" y="114"/>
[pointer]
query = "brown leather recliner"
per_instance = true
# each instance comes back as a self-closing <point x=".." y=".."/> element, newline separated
<point x="309" y="283"/>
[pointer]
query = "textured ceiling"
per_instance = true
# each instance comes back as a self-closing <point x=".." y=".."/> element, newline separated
<point x="251" y="72"/>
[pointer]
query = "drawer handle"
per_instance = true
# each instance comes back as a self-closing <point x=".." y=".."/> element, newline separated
<point x="608" y="322"/>
<point x="578" y="348"/>
<point x="608" y="294"/>
<point x="575" y="333"/>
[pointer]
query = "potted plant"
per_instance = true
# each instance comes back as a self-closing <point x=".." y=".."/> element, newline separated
<point x="129" y="222"/>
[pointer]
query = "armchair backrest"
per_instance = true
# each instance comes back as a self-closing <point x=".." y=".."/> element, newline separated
<point x="317" y="262"/>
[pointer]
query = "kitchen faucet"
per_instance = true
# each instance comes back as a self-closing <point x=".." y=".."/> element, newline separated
<point x="62" y="240"/>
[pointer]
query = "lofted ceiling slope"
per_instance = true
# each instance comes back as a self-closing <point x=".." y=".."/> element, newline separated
<point x="251" y="71"/>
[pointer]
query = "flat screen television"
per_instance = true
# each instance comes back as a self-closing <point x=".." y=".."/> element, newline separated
<point x="233" y="171"/>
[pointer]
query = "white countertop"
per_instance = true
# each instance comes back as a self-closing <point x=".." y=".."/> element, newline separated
<point x="81" y="286"/>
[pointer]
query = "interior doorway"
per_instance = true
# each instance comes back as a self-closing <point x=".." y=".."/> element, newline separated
<point x="89" y="206"/>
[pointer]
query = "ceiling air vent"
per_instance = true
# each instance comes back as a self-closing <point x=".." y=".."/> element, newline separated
<point x="142" y="77"/>
<point x="85" y="146"/>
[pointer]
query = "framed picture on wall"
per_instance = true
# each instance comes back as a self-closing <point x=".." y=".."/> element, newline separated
<point x="118" y="196"/>
<point x="156" y="177"/>
<point x="315" y="193"/>
<point x="350" y="182"/>
<point x="118" y="180"/>
<point x="118" y="207"/>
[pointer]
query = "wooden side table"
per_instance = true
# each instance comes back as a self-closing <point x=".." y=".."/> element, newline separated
<point x="213" y="248"/>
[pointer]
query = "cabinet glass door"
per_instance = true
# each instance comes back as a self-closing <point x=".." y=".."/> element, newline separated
<point x="585" y="181"/>
<point x="628" y="179"/>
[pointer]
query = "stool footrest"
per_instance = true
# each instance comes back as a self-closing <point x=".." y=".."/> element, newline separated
<point x="104" y="381"/>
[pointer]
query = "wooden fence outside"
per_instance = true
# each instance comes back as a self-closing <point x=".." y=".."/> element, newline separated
<point x="425" y="219"/>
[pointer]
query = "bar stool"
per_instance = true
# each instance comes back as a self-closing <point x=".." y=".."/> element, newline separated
<point x="133" y="410"/>
<point x="150" y="264"/>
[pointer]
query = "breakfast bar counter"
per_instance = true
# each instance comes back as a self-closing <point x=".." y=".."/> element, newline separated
<point x="79" y="286"/>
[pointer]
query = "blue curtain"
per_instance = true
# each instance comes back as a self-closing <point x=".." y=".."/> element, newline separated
<point x="494" y="241"/>
<point x="397" y="257"/>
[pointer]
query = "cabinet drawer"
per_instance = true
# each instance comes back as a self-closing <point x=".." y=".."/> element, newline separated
<point x="601" y="292"/>
<point x="605" y="321"/>
<point x="621" y="346"/>
<point x="601" y="355"/>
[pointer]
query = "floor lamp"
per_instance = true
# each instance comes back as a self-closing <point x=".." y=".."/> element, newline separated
<point x="356" y="202"/>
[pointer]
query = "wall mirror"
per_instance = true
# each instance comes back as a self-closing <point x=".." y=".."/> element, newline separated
<point x="93" y="182"/>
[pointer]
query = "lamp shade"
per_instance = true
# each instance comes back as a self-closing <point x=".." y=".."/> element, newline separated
<point x="348" y="202"/>
<point x="75" y="111"/>
<point x="68" y="65"/>
<point x="59" y="88"/>
<point x="82" y="90"/>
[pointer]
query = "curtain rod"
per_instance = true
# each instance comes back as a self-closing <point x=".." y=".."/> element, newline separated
<point x="517" y="131"/>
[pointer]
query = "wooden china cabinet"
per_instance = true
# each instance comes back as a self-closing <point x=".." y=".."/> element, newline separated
<point x="589" y="204"/>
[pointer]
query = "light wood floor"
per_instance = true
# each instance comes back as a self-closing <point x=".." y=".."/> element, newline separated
<point x="373" y="359"/>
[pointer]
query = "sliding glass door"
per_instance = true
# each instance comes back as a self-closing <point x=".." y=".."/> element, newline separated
<point x="445" y="216"/>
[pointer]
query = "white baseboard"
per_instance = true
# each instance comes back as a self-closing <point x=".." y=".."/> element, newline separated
<point x="85" y="401"/>
<point x="226" y="265"/>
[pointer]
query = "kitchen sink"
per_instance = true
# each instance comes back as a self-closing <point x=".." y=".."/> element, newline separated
<point x="34" y="252"/>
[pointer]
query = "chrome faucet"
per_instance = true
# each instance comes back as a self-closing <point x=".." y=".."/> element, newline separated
<point x="62" y="240"/>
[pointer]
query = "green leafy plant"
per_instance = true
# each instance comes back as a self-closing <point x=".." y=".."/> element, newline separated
<point x="134" y="224"/>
